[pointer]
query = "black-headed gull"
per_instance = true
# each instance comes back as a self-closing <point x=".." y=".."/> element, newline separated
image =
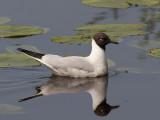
<point x="96" y="87"/>
<point x="94" y="65"/>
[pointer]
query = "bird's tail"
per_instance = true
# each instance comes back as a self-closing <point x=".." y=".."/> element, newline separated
<point x="31" y="54"/>
<point x="30" y="97"/>
<point x="39" y="93"/>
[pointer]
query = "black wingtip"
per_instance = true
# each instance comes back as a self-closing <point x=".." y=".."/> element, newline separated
<point x="20" y="49"/>
<point x="30" y="53"/>
<point x="28" y="98"/>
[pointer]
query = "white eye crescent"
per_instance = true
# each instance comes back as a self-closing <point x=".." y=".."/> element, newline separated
<point x="102" y="111"/>
<point x="101" y="38"/>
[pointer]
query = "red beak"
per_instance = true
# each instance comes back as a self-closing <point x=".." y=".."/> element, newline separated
<point x="114" y="42"/>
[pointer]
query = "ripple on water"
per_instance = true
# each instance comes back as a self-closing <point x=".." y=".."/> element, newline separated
<point x="21" y="77"/>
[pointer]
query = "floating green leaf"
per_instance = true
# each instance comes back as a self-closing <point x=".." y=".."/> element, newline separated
<point x="16" y="60"/>
<point x="4" y="20"/>
<point x="157" y="5"/>
<point x="119" y="3"/>
<point x="154" y="52"/>
<point x="71" y="39"/>
<point x="113" y="30"/>
<point x="10" y="109"/>
<point x="15" y="31"/>
<point x="110" y="63"/>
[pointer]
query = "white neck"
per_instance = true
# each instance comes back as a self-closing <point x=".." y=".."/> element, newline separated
<point x="98" y="95"/>
<point x="98" y="91"/>
<point x="97" y="53"/>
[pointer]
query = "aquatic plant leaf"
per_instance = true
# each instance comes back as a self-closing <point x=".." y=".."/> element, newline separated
<point x="106" y="3"/>
<point x="4" y="20"/>
<point x="10" y="109"/>
<point x="119" y="3"/>
<point x="154" y="52"/>
<point x="15" y="31"/>
<point x="113" y="30"/>
<point x="111" y="63"/>
<point x="157" y="5"/>
<point x="16" y="60"/>
<point x="142" y="2"/>
<point x="13" y="48"/>
<point x="71" y="39"/>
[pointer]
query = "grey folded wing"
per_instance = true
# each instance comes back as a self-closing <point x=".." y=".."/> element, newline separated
<point x="75" y="62"/>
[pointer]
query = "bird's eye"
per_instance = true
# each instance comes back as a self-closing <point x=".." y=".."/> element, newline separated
<point x="101" y="39"/>
<point x="102" y="111"/>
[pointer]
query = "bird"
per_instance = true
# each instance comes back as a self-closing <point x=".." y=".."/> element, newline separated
<point x="94" y="65"/>
<point x="96" y="87"/>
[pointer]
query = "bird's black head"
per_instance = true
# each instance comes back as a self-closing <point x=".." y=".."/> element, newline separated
<point x="104" y="109"/>
<point x="102" y="39"/>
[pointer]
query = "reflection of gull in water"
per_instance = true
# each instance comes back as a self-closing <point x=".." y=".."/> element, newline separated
<point x="97" y="87"/>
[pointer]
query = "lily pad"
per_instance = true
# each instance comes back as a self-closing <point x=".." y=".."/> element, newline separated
<point x="16" y="60"/>
<point x="114" y="31"/>
<point x="10" y="109"/>
<point x="157" y="5"/>
<point x="15" y="31"/>
<point x="4" y="20"/>
<point x="71" y="39"/>
<point x="119" y="3"/>
<point x="110" y="63"/>
<point x="154" y="52"/>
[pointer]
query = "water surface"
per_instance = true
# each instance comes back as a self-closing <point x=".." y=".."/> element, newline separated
<point x="136" y="93"/>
